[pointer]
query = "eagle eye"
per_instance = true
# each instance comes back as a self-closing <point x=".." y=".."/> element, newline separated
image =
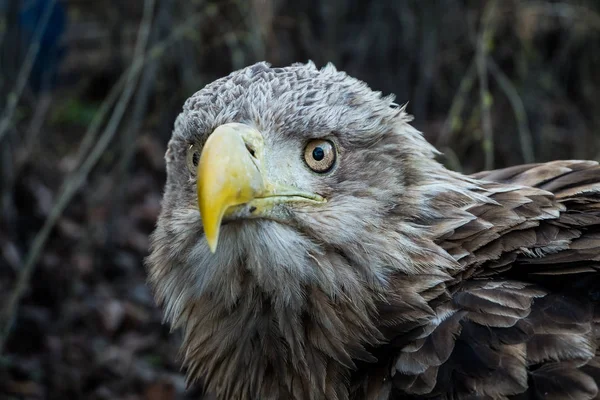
<point x="193" y="158"/>
<point x="320" y="155"/>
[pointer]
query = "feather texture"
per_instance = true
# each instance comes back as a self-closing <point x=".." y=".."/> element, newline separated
<point x="410" y="282"/>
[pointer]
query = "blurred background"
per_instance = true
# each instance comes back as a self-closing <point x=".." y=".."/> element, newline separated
<point x="89" y="91"/>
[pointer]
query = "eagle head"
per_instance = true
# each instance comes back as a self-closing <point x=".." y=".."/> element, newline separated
<point x="292" y="195"/>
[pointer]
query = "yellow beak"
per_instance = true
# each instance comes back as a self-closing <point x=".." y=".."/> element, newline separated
<point x="230" y="174"/>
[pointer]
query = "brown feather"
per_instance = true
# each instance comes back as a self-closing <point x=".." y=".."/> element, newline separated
<point x="410" y="282"/>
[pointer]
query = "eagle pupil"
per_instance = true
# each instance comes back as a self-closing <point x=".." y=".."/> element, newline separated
<point x="318" y="153"/>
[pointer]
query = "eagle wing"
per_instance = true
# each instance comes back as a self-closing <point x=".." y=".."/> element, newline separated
<point x="520" y="319"/>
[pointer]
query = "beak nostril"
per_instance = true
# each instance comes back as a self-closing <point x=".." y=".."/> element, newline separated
<point x="251" y="150"/>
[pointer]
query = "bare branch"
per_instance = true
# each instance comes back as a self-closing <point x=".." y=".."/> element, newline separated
<point x="453" y="120"/>
<point x="74" y="182"/>
<point x="485" y="97"/>
<point x="518" y="108"/>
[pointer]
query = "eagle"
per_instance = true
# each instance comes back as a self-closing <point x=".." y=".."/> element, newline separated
<point x="311" y="247"/>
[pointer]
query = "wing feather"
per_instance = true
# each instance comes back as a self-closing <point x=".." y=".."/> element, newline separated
<point x="519" y="318"/>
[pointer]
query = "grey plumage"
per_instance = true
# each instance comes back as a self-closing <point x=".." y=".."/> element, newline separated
<point x="411" y="281"/>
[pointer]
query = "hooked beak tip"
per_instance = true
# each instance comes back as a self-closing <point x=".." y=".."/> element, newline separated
<point x="226" y="175"/>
